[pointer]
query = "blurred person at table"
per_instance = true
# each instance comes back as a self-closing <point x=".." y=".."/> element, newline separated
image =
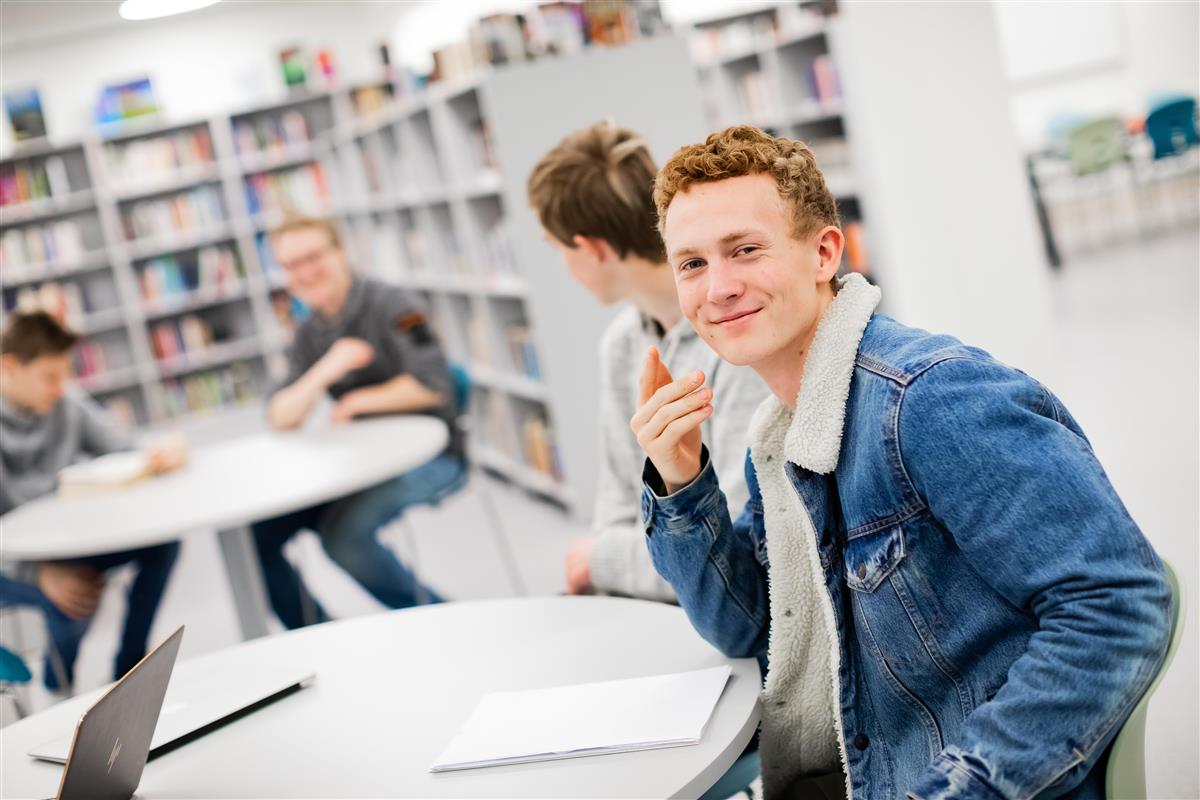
<point x="46" y="425"/>
<point x="369" y="347"/>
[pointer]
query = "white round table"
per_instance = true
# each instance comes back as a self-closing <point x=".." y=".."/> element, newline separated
<point x="392" y="689"/>
<point x="227" y="486"/>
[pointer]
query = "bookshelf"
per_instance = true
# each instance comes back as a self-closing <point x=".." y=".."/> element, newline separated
<point x="420" y="195"/>
<point x="156" y="238"/>
<point x="775" y="67"/>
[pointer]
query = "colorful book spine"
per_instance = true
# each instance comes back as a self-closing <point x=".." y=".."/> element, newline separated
<point x="135" y="160"/>
<point x="197" y="208"/>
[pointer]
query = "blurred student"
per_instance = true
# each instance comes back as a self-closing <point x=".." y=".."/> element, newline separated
<point x="955" y="602"/>
<point x="45" y="426"/>
<point x="592" y="194"/>
<point x="367" y="345"/>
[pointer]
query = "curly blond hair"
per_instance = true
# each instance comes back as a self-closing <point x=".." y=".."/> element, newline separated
<point x="745" y="150"/>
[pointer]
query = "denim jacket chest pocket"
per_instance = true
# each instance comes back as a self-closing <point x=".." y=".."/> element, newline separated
<point x="870" y="558"/>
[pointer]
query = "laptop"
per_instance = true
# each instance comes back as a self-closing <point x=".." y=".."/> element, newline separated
<point x="108" y="750"/>
<point x="171" y="717"/>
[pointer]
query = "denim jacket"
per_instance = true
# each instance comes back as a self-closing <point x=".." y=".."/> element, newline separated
<point x="956" y="600"/>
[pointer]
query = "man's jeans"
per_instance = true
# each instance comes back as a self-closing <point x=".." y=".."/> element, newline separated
<point x="347" y="528"/>
<point x="153" y="569"/>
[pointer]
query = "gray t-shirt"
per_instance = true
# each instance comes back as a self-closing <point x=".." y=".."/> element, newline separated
<point x="34" y="447"/>
<point x="397" y="327"/>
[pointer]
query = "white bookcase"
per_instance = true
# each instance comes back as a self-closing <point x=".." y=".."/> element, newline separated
<point x="176" y="286"/>
<point x="775" y="67"/>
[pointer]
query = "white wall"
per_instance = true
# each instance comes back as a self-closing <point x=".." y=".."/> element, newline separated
<point x="1095" y="58"/>
<point x="948" y="210"/>
<point x="204" y="63"/>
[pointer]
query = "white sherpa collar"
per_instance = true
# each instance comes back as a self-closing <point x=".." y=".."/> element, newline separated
<point x="814" y="438"/>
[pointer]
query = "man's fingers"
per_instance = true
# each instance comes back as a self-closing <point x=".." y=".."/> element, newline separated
<point x="648" y="382"/>
<point x="664" y="395"/>
<point x="664" y="374"/>
<point x="659" y="423"/>
<point x="681" y="426"/>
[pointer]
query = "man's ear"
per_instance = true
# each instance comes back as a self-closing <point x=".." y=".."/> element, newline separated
<point x="830" y="242"/>
<point x="597" y="248"/>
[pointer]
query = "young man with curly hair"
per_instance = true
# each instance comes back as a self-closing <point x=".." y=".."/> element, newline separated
<point x="954" y="600"/>
<point x="593" y="194"/>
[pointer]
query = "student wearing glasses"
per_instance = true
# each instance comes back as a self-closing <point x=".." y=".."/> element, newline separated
<point x="368" y="346"/>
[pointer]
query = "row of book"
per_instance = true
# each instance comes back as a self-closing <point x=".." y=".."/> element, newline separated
<point x="140" y="159"/>
<point x="756" y="95"/>
<point x="196" y="208"/>
<point x="368" y="100"/>
<point x="539" y="446"/>
<point x="205" y="392"/>
<point x="209" y="268"/>
<point x="822" y="80"/>
<point x="549" y="29"/>
<point x="527" y="438"/>
<point x="271" y="132"/>
<point x="188" y="334"/>
<point x="301" y="189"/>
<point x="499" y="252"/>
<point x="91" y="359"/>
<point x="66" y="301"/>
<point x="26" y="181"/>
<point x="759" y="30"/>
<point x="522" y="350"/>
<point x="266" y="259"/>
<point x="25" y="251"/>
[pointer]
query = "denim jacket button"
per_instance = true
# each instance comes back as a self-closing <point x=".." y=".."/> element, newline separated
<point x="647" y="507"/>
<point x="861" y="572"/>
<point x="862" y="741"/>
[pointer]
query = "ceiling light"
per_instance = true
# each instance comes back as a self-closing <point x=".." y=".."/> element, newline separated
<point x="149" y="9"/>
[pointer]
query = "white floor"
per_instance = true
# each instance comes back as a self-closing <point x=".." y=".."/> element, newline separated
<point x="1129" y="333"/>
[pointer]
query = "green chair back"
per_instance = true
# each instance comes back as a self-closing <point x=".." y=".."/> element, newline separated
<point x="1097" y="145"/>
<point x="1126" y="778"/>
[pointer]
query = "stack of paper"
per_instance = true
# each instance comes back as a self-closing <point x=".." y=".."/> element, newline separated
<point x="587" y="719"/>
<point x="102" y="474"/>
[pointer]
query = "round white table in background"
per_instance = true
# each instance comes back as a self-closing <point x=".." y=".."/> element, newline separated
<point x="227" y="486"/>
<point x="392" y="689"/>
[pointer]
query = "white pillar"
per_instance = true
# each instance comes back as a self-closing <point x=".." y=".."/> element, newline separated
<point x="950" y="221"/>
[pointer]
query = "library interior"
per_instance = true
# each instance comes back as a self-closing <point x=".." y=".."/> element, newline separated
<point x="383" y="413"/>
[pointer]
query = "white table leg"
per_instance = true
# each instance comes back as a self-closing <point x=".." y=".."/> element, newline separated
<point x="245" y="578"/>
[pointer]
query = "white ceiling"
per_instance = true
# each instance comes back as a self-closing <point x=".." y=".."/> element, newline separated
<point x="26" y="22"/>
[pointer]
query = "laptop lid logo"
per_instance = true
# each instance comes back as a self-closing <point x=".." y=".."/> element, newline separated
<point x="116" y="751"/>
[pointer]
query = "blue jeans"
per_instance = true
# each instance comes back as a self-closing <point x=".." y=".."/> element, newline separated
<point x="153" y="569"/>
<point x="347" y="528"/>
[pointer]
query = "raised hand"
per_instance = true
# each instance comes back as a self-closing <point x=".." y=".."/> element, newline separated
<point x="667" y="422"/>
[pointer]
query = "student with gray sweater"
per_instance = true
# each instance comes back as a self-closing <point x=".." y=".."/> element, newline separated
<point x="44" y="427"/>
<point x="592" y="195"/>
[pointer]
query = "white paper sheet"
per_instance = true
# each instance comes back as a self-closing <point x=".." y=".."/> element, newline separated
<point x="586" y="719"/>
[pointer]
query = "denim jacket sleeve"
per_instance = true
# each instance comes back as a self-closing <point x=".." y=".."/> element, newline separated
<point x="1005" y="469"/>
<point x="710" y="560"/>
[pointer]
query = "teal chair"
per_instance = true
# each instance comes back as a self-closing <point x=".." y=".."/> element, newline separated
<point x="738" y="779"/>
<point x="13" y="673"/>
<point x="1171" y="126"/>
<point x="462" y="401"/>
<point x="1126" y="778"/>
